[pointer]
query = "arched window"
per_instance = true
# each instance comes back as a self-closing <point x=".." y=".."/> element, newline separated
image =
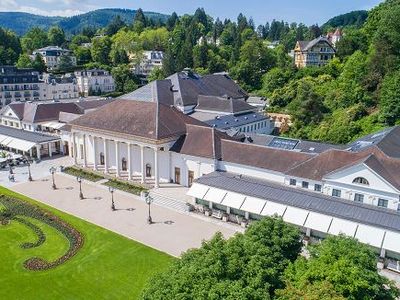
<point x="101" y="158"/>
<point x="124" y="165"/>
<point x="361" y="180"/>
<point x="148" y="170"/>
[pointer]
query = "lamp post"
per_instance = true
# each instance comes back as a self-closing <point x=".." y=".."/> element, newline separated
<point x="52" y="172"/>
<point x="79" y="179"/>
<point x="29" y="170"/>
<point x="111" y="190"/>
<point x="148" y="200"/>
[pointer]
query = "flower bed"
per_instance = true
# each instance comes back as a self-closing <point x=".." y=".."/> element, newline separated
<point x="15" y="208"/>
<point x="83" y="173"/>
<point x="125" y="186"/>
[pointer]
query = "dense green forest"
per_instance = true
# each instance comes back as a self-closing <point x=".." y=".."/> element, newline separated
<point x="357" y="93"/>
<point x="20" y="22"/>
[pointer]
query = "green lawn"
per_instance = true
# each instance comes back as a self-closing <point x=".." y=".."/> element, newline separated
<point x="108" y="266"/>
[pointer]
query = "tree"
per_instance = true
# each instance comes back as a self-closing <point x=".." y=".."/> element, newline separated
<point x="124" y="79"/>
<point x="83" y="55"/>
<point x="119" y="56"/>
<point x="101" y="47"/>
<point x="38" y="64"/>
<point x="10" y="47"/>
<point x="116" y="24"/>
<point x="35" y="38"/>
<point x="390" y="98"/>
<point x="156" y="74"/>
<point x="139" y="21"/>
<point x="172" y="20"/>
<point x="247" y="266"/>
<point x="24" y="61"/>
<point x="65" y="64"/>
<point x="342" y="264"/>
<point x="56" y="36"/>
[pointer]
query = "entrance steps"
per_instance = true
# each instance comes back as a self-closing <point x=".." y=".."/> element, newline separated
<point x="168" y="202"/>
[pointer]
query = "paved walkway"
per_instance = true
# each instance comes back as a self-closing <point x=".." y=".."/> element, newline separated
<point x="172" y="232"/>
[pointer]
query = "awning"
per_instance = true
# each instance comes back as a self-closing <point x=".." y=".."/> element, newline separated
<point x="370" y="235"/>
<point x="215" y="195"/>
<point x="318" y="222"/>
<point x="392" y="241"/>
<point x="253" y="205"/>
<point x="233" y="200"/>
<point x="295" y="215"/>
<point x="20" y="145"/>
<point x="53" y="124"/>
<point x="345" y="227"/>
<point x="272" y="208"/>
<point x="198" y="190"/>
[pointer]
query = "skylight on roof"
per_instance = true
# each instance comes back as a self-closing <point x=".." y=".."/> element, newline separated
<point x="282" y="143"/>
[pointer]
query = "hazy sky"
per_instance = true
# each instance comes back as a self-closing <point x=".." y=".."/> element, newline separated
<point x="306" y="11"/>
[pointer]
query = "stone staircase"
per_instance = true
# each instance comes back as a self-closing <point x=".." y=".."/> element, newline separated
<point x="168" y="202"/>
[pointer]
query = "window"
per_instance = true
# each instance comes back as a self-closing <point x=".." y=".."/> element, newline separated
<point x="361" y="180"/>
<point x="292" y="181"/>
<point x="336" y="193"/>
<point x="359" y="198"/>
<point x="148" y="170"/>
<point x="317" y="187"/>
<point x="124" y="164"/>
<point x="383" y="202"/>
<point x="304" y="184"/>
<point x="102" y="158"/>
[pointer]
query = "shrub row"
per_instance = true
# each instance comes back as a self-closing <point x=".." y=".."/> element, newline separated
<point x="39" y="232"/>
<point x="125" y="186"/>
<point x="16" y="207"/>
<point x="83" y="173"/>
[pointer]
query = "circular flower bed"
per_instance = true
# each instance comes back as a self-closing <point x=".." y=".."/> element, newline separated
<point x="16" y="209"/>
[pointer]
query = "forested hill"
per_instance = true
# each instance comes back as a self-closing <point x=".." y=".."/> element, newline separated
<point x="21" y="22"/>
<point x="355" y="18"/>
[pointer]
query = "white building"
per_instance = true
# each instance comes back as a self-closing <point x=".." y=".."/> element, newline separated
<point x="59" y="87"/>
<point x="52" y="56"/>
<point x="148" y="62"/>
<point x="324" y="189"/>
<point x="94" y="82"/>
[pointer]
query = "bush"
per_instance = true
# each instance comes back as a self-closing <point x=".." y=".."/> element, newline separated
<point x="125" y="186"/>
<point x="82" y="173"/>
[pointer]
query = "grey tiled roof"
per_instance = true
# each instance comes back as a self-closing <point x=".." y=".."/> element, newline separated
<point x="335" y="207"/>
<point x="228" y="121"/>
<point x="34" y="137"/>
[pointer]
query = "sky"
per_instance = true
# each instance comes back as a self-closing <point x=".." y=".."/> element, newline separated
<point x="306" y="11"/>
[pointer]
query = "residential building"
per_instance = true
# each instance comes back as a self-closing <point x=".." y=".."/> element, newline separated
<point x="94" y="82"/>
<point x="52" y="55"/>
<point x="59" y="87"/>
<point x="317" y="52"/>
<point x="335" y="36"/>
<point x="148" y="62"/>
<point x="18" y="85"/>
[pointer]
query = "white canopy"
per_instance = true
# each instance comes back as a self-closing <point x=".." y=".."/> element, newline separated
<point x="272" y="208"/>
<point x="253" y="205"/>
<point x="233" y="200"/>
<point x="370" y="235"/>
<point x="53" y="124"/>
<point x="339" y="226"/>
<point x="392" y="241"/>
<point x="318" y="222"/>
<point x="295" y="215"/>
<point x="215" y="195"/>
<point x="198" y="190"/>
<point x="20" y="145"/>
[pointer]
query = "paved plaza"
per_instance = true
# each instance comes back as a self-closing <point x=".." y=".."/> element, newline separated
<point x="172" y="232"/>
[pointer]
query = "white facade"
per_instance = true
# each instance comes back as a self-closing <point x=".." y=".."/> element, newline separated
<point x="94" y="82"/>
<point x="149" y="61"/>
<point x="52" y="56"/>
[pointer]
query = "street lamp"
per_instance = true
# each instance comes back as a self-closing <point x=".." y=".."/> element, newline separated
<point x="52" y="172"/>
<point x="29" y="170"/>
<point x="111" y="190"/>
<point x="79" y="179"/>
<point x="148" y="200"/>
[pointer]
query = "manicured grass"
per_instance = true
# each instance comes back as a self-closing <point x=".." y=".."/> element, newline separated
<point x="125" y="186"/>
<point x="82" y="173"/>
<point x="108" y="266"/>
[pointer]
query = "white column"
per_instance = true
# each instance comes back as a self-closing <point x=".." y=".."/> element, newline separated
<point x="105" y="156"/>
<point x="62" y="150"/>
<point x="94" y="140"/>
<point x="38" y="152"/>
<point x="30" y="152"/>
<point x="75" y="148"/>
<point x="142" y="166"/>
<point x="170" y="171"/>
<point x="84" y="151"/>
<point x="129" y="161"/>
<point x="156" y="176"/>
<point x="50" y="150"/>
<point x="117" y="162"/>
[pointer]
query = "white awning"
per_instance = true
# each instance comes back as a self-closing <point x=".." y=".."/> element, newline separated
<point x="339" y="226"/>
<point x="253" y="205"/>
<point x="197" y="190"/>
<point x="20" y="144"/>
<point x="272" y="208"/>
<point x="52" y="124"/>
<point x="370" y="235"/>
<point x="318" y="222"/>
<point x="233" y="200"/>
<point x="392" y="241"/>
<point x="215" y="195"/>
<point x="295" y="215"/>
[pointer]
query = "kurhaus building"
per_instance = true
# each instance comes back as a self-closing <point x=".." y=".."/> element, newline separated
<point x="150" y="136"/>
